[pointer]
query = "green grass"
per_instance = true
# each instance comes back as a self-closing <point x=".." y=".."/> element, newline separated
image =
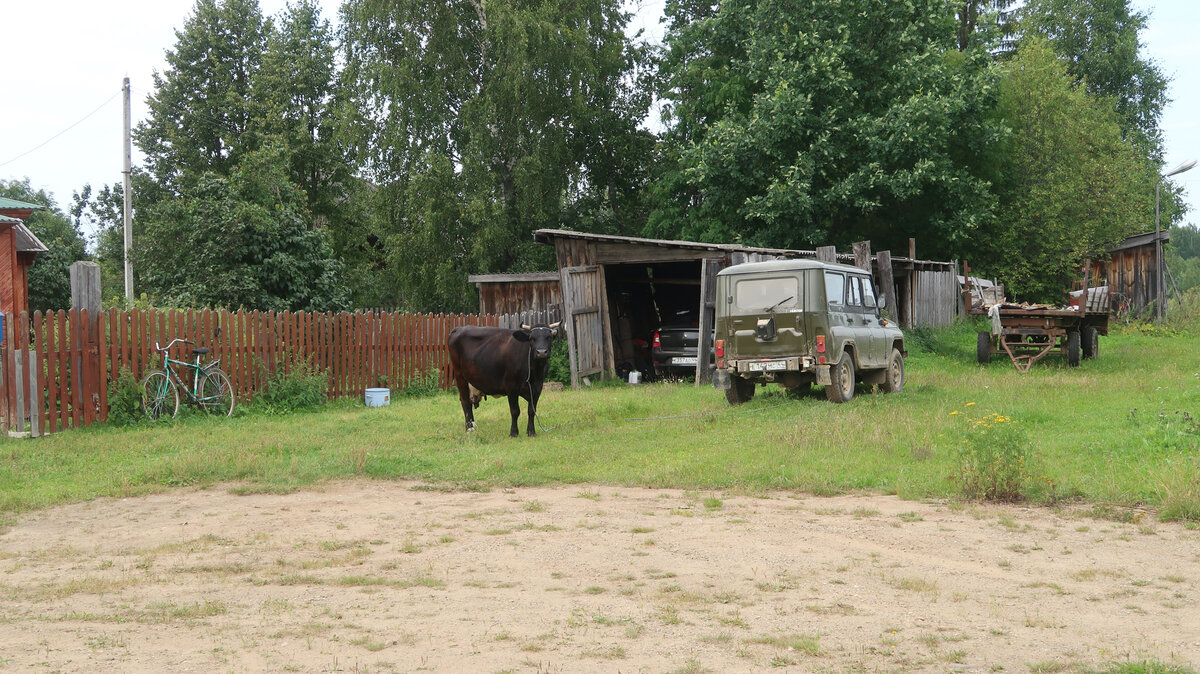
<point x="1118" y="431"/>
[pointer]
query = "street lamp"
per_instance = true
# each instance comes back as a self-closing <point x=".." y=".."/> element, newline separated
<point x="1158" y="251"/>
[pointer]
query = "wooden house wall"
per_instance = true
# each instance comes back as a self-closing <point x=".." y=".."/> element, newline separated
<point x="518" y="296"/>
<point x="13" y="298"/>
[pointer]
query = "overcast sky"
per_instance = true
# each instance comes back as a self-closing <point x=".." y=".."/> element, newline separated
<point x="61" y="119"/>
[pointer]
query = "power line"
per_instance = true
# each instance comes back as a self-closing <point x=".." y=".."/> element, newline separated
<point x="48" y="140"/>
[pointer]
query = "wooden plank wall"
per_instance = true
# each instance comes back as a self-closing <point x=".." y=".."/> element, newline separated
<point x="57" y="366"/>
<point x="935" y="297"/>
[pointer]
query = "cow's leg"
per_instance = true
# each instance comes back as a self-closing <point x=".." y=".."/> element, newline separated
<point x="464" y="396"/>
<point x="529" y="430"/>
<point x="514" y="408"/>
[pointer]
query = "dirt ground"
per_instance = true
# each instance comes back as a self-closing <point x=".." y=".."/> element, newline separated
<point x="396" y="577"/>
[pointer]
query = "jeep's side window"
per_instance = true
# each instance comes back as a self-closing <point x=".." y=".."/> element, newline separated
<point x="869" y="294"/>
<point x="854" y="293"/>
<point x="835" y="287"/>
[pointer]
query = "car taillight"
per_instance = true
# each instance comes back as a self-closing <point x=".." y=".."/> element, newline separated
<point x="719" y="348"/>
<point x="820" y="343"/>
<point x="657" y="341"/>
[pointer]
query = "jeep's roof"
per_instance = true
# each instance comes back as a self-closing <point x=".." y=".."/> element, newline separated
<point x="785" y="265"/>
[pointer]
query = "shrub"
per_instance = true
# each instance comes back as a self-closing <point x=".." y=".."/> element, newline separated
<point x="125" y="400"/>
<point x="560" y="362"/>
<point x="302" y="388"/>
<point x="423" y="385"/>
<point x="994" y="460"/>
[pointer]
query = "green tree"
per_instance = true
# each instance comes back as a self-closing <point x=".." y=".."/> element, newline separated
<point x="49" y="276"/>
<point x="1068" y="184"/>
<point x="1100" y="40"/>
<point x="481" y="122"/>
<point x="796" y="124"/>
<point x="970" y="13"/>
<point x="245" y="240"/>
<point x="199" y="116"/>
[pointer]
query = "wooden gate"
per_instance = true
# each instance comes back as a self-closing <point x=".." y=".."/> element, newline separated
<point x="585" y="317"/>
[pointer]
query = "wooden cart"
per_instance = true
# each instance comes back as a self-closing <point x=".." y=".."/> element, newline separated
<point x="1027" y="333"/>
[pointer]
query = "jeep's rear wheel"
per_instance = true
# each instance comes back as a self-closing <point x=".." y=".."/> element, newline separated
<point x="740" y="390"/>
<point x="893" y="377"/>
<point x="841" y="388"/>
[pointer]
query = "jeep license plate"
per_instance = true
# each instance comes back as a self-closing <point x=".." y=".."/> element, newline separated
<point x="767" y="365"/>
<point x="683" y="360"/>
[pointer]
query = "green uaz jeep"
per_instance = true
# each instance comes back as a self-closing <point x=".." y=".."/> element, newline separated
<point x="800" y="322"/>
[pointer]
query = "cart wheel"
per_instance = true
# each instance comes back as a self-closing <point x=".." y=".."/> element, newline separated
<point x="740" y="390"/>
<point x="983" y="348"/>
<point x="1091" y="342"/>
<point x="1073" y="348"/>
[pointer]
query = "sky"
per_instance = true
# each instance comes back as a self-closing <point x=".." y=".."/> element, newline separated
<point x="61" y="116"/>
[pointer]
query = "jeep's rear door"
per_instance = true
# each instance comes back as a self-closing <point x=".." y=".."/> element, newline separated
<point x="774" y="297"/>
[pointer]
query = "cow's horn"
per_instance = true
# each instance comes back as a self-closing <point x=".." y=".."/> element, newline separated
<point x="554" y="326"/>
<point x="526" y="328"/>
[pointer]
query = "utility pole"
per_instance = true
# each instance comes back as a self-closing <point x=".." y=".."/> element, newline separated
<point x="128" y="198"/>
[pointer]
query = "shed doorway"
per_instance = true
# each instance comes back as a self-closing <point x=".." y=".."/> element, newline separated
<point x="646" y="298"/>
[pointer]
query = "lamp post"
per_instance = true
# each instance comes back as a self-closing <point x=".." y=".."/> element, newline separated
<point x="1158" y="250"/>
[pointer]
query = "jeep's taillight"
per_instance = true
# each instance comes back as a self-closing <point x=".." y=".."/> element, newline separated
<point x="719" y="348"/>
<point x="657" y="341"/>
<point x="820" y="343"/>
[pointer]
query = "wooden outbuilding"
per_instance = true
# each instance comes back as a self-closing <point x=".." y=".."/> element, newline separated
<point x="616" y="290"/>
<point x="18" y="249"/>
<point x="1130" y="273"/>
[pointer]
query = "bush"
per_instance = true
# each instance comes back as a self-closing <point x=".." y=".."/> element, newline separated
<point x="125" y="400"/>
<point x="993" y="460"/>
<point x="423" y="385"/>
<point x="559" y="369"/>
<point x="301" y="389"/>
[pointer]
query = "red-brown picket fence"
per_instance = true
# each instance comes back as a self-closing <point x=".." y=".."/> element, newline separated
<point x="57" y="366"/>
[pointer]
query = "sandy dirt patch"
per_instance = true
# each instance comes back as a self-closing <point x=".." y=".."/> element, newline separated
<point x="394" y="577"/>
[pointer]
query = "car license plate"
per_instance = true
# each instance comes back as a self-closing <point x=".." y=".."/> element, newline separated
<point x="683" y="361"/>
<point x="767" y="365"/>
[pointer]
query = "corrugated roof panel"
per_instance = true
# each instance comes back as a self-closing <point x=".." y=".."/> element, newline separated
<point x="6" y="203"/>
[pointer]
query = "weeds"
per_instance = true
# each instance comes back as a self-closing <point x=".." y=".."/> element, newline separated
<point x="993" y="460"/>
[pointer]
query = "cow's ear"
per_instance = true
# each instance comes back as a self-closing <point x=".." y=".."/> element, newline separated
<point x="520" y="335"/>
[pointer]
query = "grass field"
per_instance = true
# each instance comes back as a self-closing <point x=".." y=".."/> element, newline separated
<point x="1116" y="433"/>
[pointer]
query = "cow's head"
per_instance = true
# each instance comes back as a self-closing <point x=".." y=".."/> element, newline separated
<point x="541" y="336"/>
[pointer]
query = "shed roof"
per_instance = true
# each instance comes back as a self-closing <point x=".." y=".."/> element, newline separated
<point x="549" y="235"/>
<point x="27" y="241"/>
<point x="1139" y="240"/>
<point x="514" y="278"/>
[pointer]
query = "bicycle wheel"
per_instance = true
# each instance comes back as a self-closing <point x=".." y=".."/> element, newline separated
<point x="159" y="395"/>
<point x="216" y="393"/>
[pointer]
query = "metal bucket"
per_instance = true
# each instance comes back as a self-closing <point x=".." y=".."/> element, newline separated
<point x="378" y="397"/>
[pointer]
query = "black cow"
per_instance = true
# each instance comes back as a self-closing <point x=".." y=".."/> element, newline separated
<point x="500" y="362"/>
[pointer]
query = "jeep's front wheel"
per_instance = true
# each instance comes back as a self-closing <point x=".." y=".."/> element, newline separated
<point x="841" y="388"/>
<point x="740" y="390"/>
<point x="893" y="377"/>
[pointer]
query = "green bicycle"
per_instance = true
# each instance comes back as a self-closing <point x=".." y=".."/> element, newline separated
<point x="211" y="389"/>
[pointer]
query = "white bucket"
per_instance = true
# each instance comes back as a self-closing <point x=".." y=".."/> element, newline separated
<point x="379" y="397"/>
<point x="635" y="377"/>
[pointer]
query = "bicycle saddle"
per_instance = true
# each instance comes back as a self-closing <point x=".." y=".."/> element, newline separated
<point x="200" y="350"/>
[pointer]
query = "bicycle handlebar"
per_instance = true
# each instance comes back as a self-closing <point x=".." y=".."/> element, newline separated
<point x="172" y="343"/>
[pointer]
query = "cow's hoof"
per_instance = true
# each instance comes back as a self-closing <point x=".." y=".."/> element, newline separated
<point x="470" y="428"/>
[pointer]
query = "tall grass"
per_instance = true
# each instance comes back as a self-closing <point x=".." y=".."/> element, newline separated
<point x="1117" y="431"/>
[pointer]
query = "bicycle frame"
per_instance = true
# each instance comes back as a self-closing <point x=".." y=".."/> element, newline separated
<point x="193" y="394"/>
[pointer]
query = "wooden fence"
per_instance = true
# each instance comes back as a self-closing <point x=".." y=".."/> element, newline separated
<point x="57" y="366"/>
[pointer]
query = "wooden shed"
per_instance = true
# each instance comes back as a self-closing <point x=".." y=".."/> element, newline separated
<point x="1130" y="273"/>
<point x="616" y="290"/>
<point x="514" y="293"/>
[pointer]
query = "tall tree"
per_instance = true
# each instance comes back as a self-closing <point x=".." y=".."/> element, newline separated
<point x="482" y="121"/>
<point x="1100" y="40"/>
<point x="1069" y="185"/>
<point x="49" y="275"/>
<point x="797" y="123"/>
<point x="243" y="240"/>
<point x="293" y="106"/>
<point x="199" y="117"/>
<point x="970" y="12"/>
